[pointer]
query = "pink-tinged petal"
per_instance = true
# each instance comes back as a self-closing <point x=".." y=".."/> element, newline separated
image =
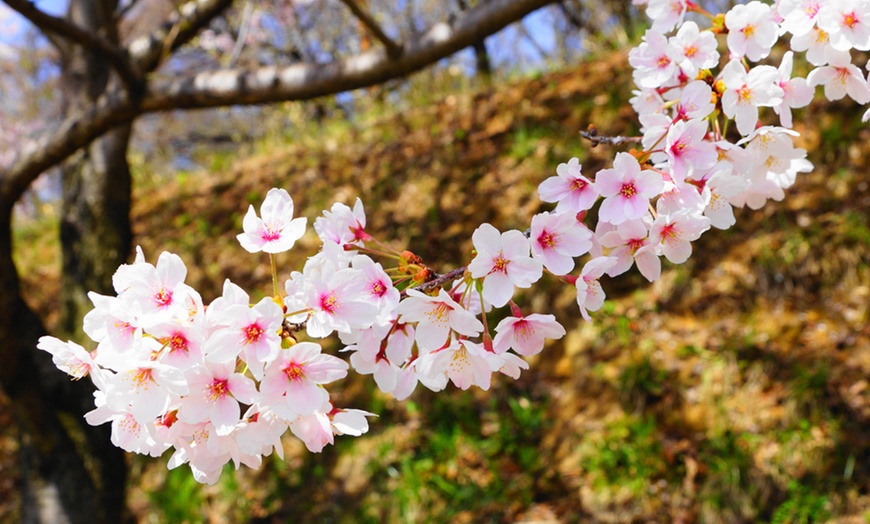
<point x="612" y="210"/>
<point x="514" y="244"/>
<point x="276" y="206"/>
<point x="432" y="336"/>
<point x="635" y="208"/>
<point x="498" y="289"/>
<point x="243" y="388"/>
<point x="525" y="271"/>
<point x="305" y="397"/>
<point x="608" y="182"/>
<point x="650" y="183"/>
<point x="594" y="296"/>
<point x="250" y="239"/>
<point x="325" y="368"/>
<point x="464" y="323"/>
<point x="385" y="376"/>
<point x="224" y="345"/>
<point x="554" y="189"/>
<point x="482" y="373"/>
<point x="557" y="263"/>
<point x="649" y="265"/>
<point x="487" y="240"/>
<point x="149" y="403"/>
<point x="546" y="325"/>
<point x="224" y="414"/>
<point x="171" y="269"/>
<point x="677" y="252"/>
<point x="303" y="352"/>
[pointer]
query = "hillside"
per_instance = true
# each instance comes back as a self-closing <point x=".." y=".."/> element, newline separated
<point x="735" y="389"/>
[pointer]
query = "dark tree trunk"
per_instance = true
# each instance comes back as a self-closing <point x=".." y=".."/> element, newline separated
<point x="70" y="471"/>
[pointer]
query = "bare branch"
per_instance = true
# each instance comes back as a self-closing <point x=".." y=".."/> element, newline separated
<point x="591" y="134"/>
<point x="53" y="25"/>
<point x="126" y="9"/>
<point x="306" y="81"/>
<point x="259" y="86"/>
<point x="394" y="50"/>
<point x="65" y="139"/>
<point x="149" y="51"/>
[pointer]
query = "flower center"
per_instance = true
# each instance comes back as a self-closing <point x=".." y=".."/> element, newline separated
<point x="748" y="31"/>
<point x="294" y="371"/>
<point x="663" y="61"/>
<point x="500" y="264"/>
<point x="378" y="288"/>
<point x="578" y="185"/>
<point x="744" y="94"/>
<point x="329" y="302"/>
<point x="690" y="50"/>
<point x="252" y="333"/>
<point x="163" y="297"/>
<point x="177" y="342"/>
<point x="548" y="240"/>
<point x="628" y="190"/>
<point x="216" y="390"/>
<point x="270" y="233"/>
<point x="850" y="20"/>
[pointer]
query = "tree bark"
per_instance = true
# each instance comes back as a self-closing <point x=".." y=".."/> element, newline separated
<point x="70" y="471"/>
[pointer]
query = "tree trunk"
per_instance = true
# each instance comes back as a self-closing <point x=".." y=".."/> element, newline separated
<point x="70" y="471"/>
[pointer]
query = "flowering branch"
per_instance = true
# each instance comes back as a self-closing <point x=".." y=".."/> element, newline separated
<point x="592" y="135"/>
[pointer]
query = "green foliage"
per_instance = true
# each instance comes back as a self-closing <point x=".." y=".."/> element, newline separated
<point x="180" y="498"/>
<point x="803" y="506"/>
<point x="627" y="454"/>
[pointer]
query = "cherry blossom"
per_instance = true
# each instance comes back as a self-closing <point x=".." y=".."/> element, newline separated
<point x="626" y="189"/>
<point x="275" y="231"/>
<point x="503" y="262"/>
<point x="569" y="189"/>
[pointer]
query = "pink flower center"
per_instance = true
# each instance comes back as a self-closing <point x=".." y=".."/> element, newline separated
<point x="812" y="10"/>
<point x="578" y="185"/>
<point x="690" y="51"/>
<point x="142" y="376"/>
<point x="500" y="264"/>
<point x="252" y="333"/>
<point x="217" y="390"/>
<point x="744" y="94"/>
<point x="294" y="371"/>
<point x="850" y="20"/>
<point x="548" y="240"/>
<point x="663" y="61"/>
<point x="163" y="297"/>
<point x="522" y="330"/>
<point x="329" y="302"/>
<point x="177" y="342"/>
<point x="628" y="190"/>
<point x="270" y="233"/>
<point x="669" y="233"/>
<point x="635" y="243"/>
<point x="378" y="288"/>
<point x="679" y="148"/>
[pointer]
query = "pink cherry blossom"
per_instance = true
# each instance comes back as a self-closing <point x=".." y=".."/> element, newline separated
<point x="503" y="262"/>
<point x="275" y="231"/>
<point x="590" y="296"/>
<point x="571" y="190"/>
<point x="796" y="91"/>
<point x="694" y="49"/>
<point x="751" y="30"/>
<point x="651" y="60"/>
<point x="688" y="150"/>
<point x="629" y="244"/>
<point x="291" y="385"/>
<point x="626" y="189"/>
<point x="250" y="332"/>
<point x="557" y="238"/>
<point x="676" y="232"/>
<point x="215" y="393"/>
<point x="436" y="317"/>
<point x="526" y="334"/>
<point x="747" y="91"/>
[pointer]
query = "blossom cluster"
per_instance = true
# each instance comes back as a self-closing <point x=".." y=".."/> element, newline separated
<point x="222" y="383"/>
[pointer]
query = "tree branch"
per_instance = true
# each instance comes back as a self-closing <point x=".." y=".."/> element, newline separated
<point x="149" y="51"/>
<point x="63" y="28"/>
<point x="394" y="50"/>
<point x="260" y="86"/>
<point x="306" y="81"/>
<point x="591" y="134"/>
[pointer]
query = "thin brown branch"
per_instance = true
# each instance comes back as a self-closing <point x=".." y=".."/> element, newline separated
<point x="394" y="50"/>
<point x="56" y="26"/>
<point x="439" y="280"/>
<point x="149" y="51"/>
<point x="592" y="135"/>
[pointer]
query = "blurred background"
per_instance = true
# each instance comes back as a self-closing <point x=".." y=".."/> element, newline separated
<point x="734" y="389"/>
